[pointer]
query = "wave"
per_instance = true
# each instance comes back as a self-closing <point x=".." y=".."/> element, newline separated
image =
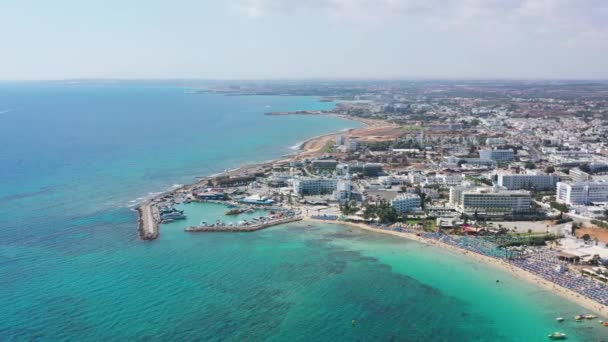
<point x="136" y="202"/>
<point x="4" y="111"/>
<point x="297" y="146"/>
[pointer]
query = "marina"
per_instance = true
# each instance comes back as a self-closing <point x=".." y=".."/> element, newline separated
<point x="245" y="227"/>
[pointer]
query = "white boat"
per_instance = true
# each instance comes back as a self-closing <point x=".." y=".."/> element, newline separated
<point x="557" y="336"/>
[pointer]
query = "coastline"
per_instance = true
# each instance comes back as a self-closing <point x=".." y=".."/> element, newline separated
<point x="148" y="222"/>
<point x="502" y="265"/>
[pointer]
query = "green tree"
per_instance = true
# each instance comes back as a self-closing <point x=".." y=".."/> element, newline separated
<point x="559" y="206"/>
<point x="549" y="169"/>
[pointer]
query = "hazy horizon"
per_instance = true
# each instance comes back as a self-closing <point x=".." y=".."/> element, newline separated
<point x="305" y="40"/>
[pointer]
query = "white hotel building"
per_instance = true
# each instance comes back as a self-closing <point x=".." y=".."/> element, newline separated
<point x="582" y="193"/>
<point x="488" y="200"/>
<point x="314" y="185"/>
<point x="528" y="181"/>
<point x="404" y="203"/>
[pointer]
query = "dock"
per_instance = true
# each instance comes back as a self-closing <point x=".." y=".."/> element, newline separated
<point x="243" y="228"/>
<point x="149" y="218"/>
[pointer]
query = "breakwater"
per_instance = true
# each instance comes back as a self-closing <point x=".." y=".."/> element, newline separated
<point x="149" y="218"/>
<point x="242" y="228"/>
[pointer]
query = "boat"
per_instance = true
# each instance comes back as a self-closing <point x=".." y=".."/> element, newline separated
<point x="235" y="211"/>
<point x="557" y="336"/>
<point x="169" y="210"/>
<point x="590" y="316"/>
<point x="173" y="216"/>
<point x="560" y="319"/>
<point x="579" y="317"/>
<point x="604" y="324"/>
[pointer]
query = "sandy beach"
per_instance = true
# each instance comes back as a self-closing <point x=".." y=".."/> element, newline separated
<point x="505" y="266"/>
<point x="372" y="130"/>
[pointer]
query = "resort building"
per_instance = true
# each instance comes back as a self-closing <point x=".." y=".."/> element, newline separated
<point x="492" y="201"/>
<point x="456" y="194"/>
<point x="582" y="193"/>
<point x="404" y="203"/>
<point x="340" y="140"/>
<point x="366" y="169"/>
<point x="314" y="185"/>
<point x="453" y="179"/>
<point x="343" y="190"/>
<point x="324" y="164"/>
<point x="497" y="155"/>
<point x="489" y="200"/>
<point x="528" y="181"/>
<point x="475" y="162"/>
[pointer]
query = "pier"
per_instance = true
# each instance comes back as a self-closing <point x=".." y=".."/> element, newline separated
<point x="243" y="228"/>
<point x="149" y="218"/>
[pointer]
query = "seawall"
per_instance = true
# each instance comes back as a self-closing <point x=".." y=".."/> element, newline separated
<point x="149" y="218"/>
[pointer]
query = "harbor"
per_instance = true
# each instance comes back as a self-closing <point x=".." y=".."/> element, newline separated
<point x="243" y="227"/>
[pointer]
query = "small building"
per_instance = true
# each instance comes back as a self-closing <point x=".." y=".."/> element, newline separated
<point x="497" y="155"/>
<point x="209" y="196"/>
<point x="257" y="199"/>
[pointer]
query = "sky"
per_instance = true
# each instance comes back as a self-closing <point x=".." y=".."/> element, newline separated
<point x="294" y="39"/>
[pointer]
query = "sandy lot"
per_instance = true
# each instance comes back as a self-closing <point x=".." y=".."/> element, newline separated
<point x="595" y="233"/>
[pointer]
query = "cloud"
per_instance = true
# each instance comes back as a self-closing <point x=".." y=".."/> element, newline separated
<point x="571" y="17"/>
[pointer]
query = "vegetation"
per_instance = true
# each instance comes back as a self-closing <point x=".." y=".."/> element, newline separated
<point x="349" y="207"/>
<point x="529" y="165"/>
<point x="528" y="240"/>
<point x="549" y="169"/>
<point x="382" y="210"/>
<point x="559" y="206"/>
<point x="600" y="223"/>
<point x="428" y="225"/>
<point x="328" y="148"/>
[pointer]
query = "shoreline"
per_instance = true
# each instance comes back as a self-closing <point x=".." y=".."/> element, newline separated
<point x="149" y="224"/>
<point x="517" y="272"/>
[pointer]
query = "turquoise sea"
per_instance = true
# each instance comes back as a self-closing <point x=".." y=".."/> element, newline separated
<point x="75" y="157"/>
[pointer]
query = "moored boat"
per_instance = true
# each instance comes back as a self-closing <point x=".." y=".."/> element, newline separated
<point x="173" y="216"/>
<point x="557" y="336"/>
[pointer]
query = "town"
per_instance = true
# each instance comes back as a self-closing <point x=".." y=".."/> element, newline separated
<point x="517" y="172"/>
